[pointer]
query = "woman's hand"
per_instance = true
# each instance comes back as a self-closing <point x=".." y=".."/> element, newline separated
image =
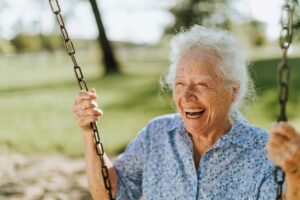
<point x="284" y="148"/>
<point x="86" y="109"/>
<point x="284" y="151"/>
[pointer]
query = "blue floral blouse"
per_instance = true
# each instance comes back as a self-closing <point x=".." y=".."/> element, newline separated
<point x="159" y="165"/>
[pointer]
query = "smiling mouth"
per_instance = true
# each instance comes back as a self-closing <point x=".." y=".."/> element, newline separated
<point x="193" y="113"/>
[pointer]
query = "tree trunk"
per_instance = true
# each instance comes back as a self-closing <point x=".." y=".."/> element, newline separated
<point x="110" y="64"/>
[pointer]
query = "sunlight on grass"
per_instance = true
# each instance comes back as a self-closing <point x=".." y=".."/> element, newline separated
<point x="36" y="112"/>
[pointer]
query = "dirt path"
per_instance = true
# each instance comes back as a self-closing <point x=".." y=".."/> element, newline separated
<point x="42" y="178"/>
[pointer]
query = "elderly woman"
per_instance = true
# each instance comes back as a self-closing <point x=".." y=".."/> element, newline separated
<point x="205" y="151"/>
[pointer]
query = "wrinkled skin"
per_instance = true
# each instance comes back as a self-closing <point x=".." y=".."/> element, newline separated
<point x="284" y="150"/>
<point x="199" y="85"/>
<point x="86" y="108"/>
<point x="203" y="98"/>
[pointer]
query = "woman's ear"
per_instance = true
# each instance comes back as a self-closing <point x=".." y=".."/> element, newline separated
<point x="235" y="90"/>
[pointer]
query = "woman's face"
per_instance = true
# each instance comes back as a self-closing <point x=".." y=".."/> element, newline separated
<point x="200" y="94"/>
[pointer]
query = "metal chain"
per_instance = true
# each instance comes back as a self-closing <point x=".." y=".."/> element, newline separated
<point x="285" y="40"/>
<point x="83" y="86"/>
<point x="279" y="177"/>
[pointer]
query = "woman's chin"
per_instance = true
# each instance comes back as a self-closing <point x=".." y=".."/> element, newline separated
<point x="194" y="124"/>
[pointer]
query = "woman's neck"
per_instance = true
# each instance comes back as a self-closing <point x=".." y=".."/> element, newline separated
<point x="202" y="141"/>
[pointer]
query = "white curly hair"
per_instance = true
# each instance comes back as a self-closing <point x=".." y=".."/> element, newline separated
<point x="231" y="60"/>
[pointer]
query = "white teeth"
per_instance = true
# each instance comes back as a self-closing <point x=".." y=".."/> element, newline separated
<point x="192" y="117"/>
<point x="192" y="110"/>
<point x="193" y="113"/>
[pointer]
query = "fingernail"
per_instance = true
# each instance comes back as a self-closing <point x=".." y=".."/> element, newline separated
<point x="98" y="111"/>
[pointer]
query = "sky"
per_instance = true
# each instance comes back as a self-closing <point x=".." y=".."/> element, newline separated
<point x="267" y="11"/>
<point x="138" y="21"/>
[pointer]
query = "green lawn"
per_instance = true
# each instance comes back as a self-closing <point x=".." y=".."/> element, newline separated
<point x="38" y="91"/>
<point x="265" y="109"/>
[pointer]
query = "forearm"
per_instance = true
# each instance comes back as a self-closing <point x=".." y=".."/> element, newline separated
<point x="292" y="191"/>
<point x="93" y="169"/>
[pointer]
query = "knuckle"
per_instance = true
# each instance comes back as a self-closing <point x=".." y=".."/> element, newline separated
<point x="94" y="104"/>
<point x="79" y="94"/>
<point x="94" y="113"/>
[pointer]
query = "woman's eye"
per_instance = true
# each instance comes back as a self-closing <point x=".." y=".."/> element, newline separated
<point x="179" y="84"/>
<point x="202" y="84"/>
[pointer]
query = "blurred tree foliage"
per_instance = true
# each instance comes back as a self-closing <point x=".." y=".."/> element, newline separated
<point x="24" y="42"/>
<point x="256" y="32"/>
<point x="203" y="12"/>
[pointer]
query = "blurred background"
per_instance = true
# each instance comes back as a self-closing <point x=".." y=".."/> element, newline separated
<point x="41" y="153"/>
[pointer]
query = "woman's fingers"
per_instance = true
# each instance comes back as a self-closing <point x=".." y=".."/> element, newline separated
<point x="85" y="104"/>
<point x="281" y="151"/>
<point x="284" y="147"/>
<point x="93" y="90"/>
<point x="86" y="108"/>
<point x="86" y="95"/>
<point x="283" y="128"/>
<point x="89" y="112"/>
<point x="85" y="116"/>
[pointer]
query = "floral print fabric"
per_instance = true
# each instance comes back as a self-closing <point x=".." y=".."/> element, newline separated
<point x="159" y="165"/>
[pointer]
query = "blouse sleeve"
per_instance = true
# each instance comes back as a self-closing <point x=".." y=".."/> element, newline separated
<point x="129" y="168"/>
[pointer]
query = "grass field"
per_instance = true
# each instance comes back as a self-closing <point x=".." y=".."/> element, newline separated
<point x="38" y="91"/>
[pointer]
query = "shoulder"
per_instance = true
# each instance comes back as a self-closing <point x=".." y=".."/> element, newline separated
<point x="158" y="128"/>
<point x="253" y="140"/>
<point x="259" y="136"/>
<point x="249" y="135"/>
<point x="168" y="122"/>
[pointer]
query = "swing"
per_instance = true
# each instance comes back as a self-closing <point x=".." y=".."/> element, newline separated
<point x="285" y="40"/>
<point x="83" y="86"/>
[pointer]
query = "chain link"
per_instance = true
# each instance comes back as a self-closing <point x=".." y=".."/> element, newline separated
<point x="285" y="40"/>
<point x="279" y="178"/>
<point x="83" y="86"/>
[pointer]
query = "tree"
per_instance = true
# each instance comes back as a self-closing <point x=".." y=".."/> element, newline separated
<point x="110" y="64"/>
<point x="202" y="12"/>
<point x="296" y="24"/>
<point x="256" y="33"/>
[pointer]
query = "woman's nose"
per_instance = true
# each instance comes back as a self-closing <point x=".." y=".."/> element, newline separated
<point x="189" y="93"/>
